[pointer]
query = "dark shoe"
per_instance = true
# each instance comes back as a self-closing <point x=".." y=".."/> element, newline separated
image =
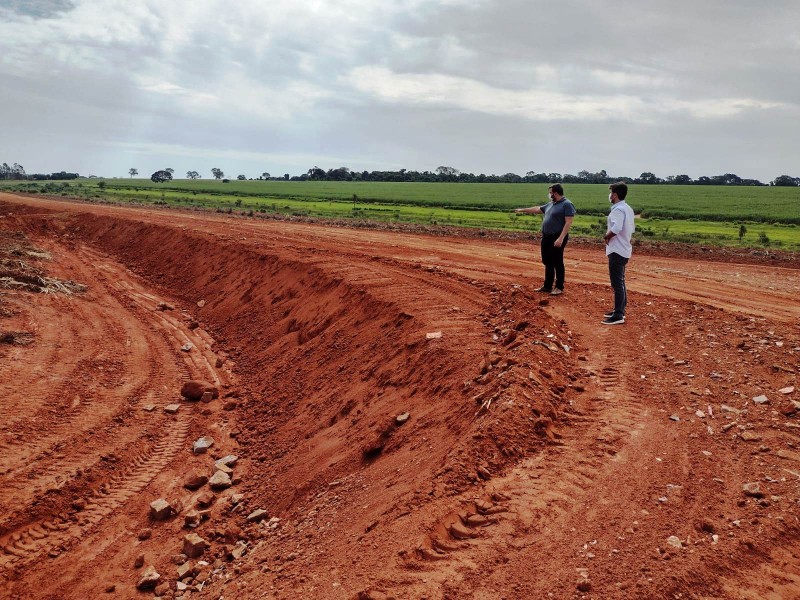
<point x="609" y="314"/>
<point x="556" y="292"/>
<point x="543" y="289"/>
<point x="613" y="320"/>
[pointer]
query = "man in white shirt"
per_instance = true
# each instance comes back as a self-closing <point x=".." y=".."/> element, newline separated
<point x="618" y="249"/>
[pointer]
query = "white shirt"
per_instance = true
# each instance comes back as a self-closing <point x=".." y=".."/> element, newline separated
<point x="620" y="222"/>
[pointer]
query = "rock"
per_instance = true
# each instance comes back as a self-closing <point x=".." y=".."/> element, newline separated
<point x="700" y="414"/>
<point x="218" y="466"/>
<point x="110" y="588"/>
<point x="201" y="303"/>
<point x="761" y="400"/>
<point x="219" y="481"/>
<point x="145" y="534"/>
<point x="148" y="579"/>
<point x="179" y="559"/>
<point x="194" y="545"/>
<point x="229" y="461"/>
<point x="729" y="409"/>
<point x="232" y="533"/>
<point x="674" y="541"/>
<point x="207" y="397"/>
<point x="788" y="455"/>
<point x="186" y="570"/>
<point x="400" y="419"/>
<point x="787" y="390"/>
<point x="193" y="518"/>
<point x="257" y="515"/>
<point x="753" y="490"/>
<point x="434" y="335"/>
<point x="164" y="306"/>
<point x="139" y="562"/>
<point x="237" y="551"/>
<point x="160" y="510"/>
<point x="484" y="473"/>
<point x="674" y="418"/>
<point x="790" y="407"/>
<point x="230" y="405"/>
<point x="236" y="498"/>
<point x="218" y="363"/>
<point x="195" y="388"/>
<point x="149" y="407"/>
<point x="187" y="347"/>
<point x="192" y="325"/>
<point x="202" y="444"/>
<point x="180" y="586"/>
<point x="205" y="499"/>
<point x="171" y="409"/>
<point x="194" y="481"/>
<point x="749" y="436"/>
<point x="584" y="585"/>
<point x="162" y="589"/>
<point x="728" y="426"/>
<point x="79" y="504"/>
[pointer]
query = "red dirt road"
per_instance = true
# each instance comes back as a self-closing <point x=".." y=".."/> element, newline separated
<point x="544" y="455"/>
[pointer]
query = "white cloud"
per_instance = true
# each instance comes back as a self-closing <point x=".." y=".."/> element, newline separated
<point x="445" y="91"/>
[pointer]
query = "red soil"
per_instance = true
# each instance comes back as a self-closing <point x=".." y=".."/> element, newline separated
<point x="539" y="459"/>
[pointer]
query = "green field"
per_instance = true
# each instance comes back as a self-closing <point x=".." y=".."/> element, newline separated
<point x="704" y="214"/>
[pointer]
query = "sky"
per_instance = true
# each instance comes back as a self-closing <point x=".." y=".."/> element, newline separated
<point x="252" y="86"/>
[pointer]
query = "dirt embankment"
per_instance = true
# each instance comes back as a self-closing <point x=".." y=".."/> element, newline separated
<point x="537" y="455"/>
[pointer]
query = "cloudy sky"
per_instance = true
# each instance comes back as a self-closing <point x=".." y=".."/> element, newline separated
<point x="485" y="86"/>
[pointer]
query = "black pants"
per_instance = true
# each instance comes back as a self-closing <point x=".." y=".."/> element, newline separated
<point x="553" y="261"/>
<point x="616" y="272"/>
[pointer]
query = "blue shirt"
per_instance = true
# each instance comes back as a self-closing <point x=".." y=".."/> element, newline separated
<point x="555" y="216"/>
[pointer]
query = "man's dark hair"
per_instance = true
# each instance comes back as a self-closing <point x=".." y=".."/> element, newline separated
<point x="620" y="188"/>
<point x="556" y="187"/>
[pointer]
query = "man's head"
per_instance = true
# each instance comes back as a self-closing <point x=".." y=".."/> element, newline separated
<point x="556" y="190"/>
<point x="620" y="188"/>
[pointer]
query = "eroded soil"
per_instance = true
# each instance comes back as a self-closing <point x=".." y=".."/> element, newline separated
<point x="543" y="455"/>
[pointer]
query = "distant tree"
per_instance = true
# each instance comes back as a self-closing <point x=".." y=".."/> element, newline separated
<point x="682" y="180"/>
<point x="742" y="231"/>
<point x="133" y="172"/>
<point x="648" y="178"/>
<point x="241" y="177"/>
<point x="265" y="175"/>
<point x="161" y="176"/>
<point x="217" y="173"/>
<point x="170" y="170"/>
<point x="447" y="172"/>
<point x="192" y="175"/>
<point x="786" y="181"/>
<point x="286" y="176"/>
<point x="316" y="173"/>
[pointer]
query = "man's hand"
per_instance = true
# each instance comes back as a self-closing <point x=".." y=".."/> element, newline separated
<point x="558" y="242"/>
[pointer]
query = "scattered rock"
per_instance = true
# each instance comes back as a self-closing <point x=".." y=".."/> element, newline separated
<point x="164" y="306"/>
<point x="229" y="461"/>
<point x="584" y="585"/>
<point x="236" y="499"/>
<point x="193" y="325"/>
<point x="160" y="510"/>
<point x="171" y="409"/>
<point x="788" y="455"/>
<point x="484" y="473"/>
<point x="674" y="418"/>
<point x="257" y="515"/>
<point x="202" y="444"/>
<point x="194" y="481"/>
<point x="219" y="481"/>
<point x="194" y="545"/>
<point x="205" y="499"/>
<point x="729" y="409"/>
<point x="674" y="541"/>
<point x="218" y="466"/>
<point x="79" y="504"/>
<point x="207" y="397"/>
<point x="728" y="426"/>
<point x="753" y="490"/>
<point x="187" y="347"/>
<point x="749" y="436"/>
<point x="787" y="390"/>
<point x="149" y="407"/>
<point x="139" y="562"/>
<point x="161" y="589"/>
<point x="111" y="588"/>
<point x="790" y="407"/>
<point x="145" y="534"/>
<point x="186" y="570"/>
<point x="400" y="419"/>
<point x="761" y="399"/>
<point x="193" y="518"/>
<point x="148" y="579"/>
<point x="218" y="363"/>
<point x="434" y="335"/>
<point x="195" y="388"/>
<point x="201" y="303"/>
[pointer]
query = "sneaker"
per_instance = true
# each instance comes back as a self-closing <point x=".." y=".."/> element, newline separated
<point x="556" y="292"/>
<point x="543" y="289"/>
<point x="609" y="314"/>
<point x="612" y="320"/>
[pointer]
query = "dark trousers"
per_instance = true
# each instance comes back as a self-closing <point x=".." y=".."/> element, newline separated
<point x="616" y="272"/>
<point x="553" y="261"/>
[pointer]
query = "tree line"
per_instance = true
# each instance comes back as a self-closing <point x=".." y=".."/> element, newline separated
<point x="440" y="174"/>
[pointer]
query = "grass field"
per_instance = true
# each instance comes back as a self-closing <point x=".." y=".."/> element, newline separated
<point x="705" y="214"/>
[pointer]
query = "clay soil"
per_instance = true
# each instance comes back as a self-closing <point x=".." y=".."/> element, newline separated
<point x="543" y="455"/>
